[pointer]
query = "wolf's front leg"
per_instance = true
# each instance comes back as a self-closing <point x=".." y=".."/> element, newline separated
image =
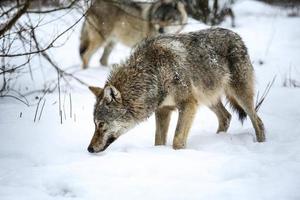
<point x="107" y="50"/>
<point x="187" y="113"/>
<point x="162" y="120"/>
<point x="223" y="115"/>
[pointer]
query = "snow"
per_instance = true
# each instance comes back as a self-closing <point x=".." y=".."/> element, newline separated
<point x="49" y="160"/>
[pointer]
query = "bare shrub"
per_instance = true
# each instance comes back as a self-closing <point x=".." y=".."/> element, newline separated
<point x="289" y="80"/>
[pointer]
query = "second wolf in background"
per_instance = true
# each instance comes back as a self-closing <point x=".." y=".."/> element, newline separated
<point x="128" y="22"/>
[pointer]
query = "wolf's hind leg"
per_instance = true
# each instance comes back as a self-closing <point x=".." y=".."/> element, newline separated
<point x="162" y="119"/>
<point x="246" y="103"/>
<point x="223" y="115"/>
<point x="187" y="113"/>
<point x="107" y="50"/>
<point x="87" y="49"/>
<point x="90" y="41"/>
<point x="243" y="94"/>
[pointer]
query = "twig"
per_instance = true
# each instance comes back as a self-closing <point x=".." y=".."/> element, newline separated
<point x="59" y="99"/>
<point x="70" y="97"/>
<point x="64" y="107"/>
<point x="36" y="110"/>
<point x="13" y="69"/>
<point x="42" y="109"/>
<point x="14" y="97"/>
<point x="46" y="91"/>
<point x="8" y="11"/>
<point x="40" y="91"/>
<point x="264" y="95"/>
<point x="21" y="95"/>
<point x="289" y="81"/>
<point x="257" y="97"/>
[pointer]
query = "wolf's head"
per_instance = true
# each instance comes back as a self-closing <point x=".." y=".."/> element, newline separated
<point x="168" y="16"/>
<point x="109" y="118"/>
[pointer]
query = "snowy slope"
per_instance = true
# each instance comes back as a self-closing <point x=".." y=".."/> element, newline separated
<point x="49" y="160"/>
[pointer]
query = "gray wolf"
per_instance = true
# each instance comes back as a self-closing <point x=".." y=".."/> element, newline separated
<point x="169" y="72"/>
<point x="111" y="21"/>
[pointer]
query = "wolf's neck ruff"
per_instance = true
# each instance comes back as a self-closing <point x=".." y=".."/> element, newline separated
<point x="138" y="96"/>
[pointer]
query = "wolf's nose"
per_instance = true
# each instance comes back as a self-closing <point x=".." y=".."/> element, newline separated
<point x="91" y="149"/>
<point x="161" y="30"/>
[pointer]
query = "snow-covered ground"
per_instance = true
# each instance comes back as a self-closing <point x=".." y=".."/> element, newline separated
<point x="49" y="160"/>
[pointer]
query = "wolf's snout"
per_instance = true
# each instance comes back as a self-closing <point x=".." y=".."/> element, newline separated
<point x="90" y="149"/>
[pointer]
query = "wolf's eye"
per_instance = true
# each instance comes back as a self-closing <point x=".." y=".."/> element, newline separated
<point x="100" y="124"/>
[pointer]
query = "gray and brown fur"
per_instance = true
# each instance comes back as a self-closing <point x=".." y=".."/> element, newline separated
<point x="128" y="22"/>
<point x="180" y="72"/>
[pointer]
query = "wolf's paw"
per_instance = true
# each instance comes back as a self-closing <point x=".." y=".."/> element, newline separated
<point x="104" y="62"/>
<point x="261" y="139"/>
<point x="178" y="145"/>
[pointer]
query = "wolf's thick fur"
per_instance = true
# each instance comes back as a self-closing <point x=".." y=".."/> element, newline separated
<point x="128" y="22"/>
<point x="181" y="72"/>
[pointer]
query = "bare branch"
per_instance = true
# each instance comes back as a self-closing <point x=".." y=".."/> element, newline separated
<point x="15" y="18"/>
<point x="47" y="57"/>
<point x="50" y="45"/>
<point x="14" y="97"/>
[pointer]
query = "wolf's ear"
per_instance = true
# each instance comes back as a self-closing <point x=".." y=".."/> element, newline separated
<point x="95" y="90"/>
<point x="112" y="94"/>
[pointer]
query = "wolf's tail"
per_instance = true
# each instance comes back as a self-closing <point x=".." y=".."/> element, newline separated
<point x="84" y="42"/>
<point x="238" y="109"/>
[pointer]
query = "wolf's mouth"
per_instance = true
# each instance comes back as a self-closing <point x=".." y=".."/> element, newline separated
<point x="110" y="140"/>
